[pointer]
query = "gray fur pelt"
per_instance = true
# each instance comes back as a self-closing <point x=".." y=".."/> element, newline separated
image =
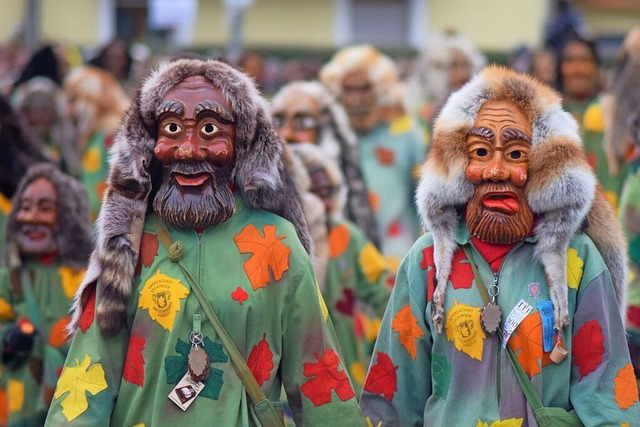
<point x="134" y="174"/>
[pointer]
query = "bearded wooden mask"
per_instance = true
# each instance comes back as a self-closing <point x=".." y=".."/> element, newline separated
<point x="36" y="217"/>
<point x="498" y="146"/>
<point x="195" y="145"/>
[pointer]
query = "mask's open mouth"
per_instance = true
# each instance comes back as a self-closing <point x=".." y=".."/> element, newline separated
<point x="505" y="202"/>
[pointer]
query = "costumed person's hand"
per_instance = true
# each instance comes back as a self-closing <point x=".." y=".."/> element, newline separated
<point x="18" y="342"/>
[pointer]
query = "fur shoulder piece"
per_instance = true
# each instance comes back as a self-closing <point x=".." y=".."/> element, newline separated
<point x="561" y="189"/>
<point x="258" y="175"/>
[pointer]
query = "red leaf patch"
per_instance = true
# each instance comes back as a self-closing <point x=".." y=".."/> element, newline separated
<point x="239" y="295"/>
<point x="428" y="263"/>
<point x="382" y="377"/>
<point x="148" y="251"/>
<point x="345" y="305"/>
<point x="133" y="371"/>
<point x="461" y="273"/>
<point x="260" y="360"/>
<point x="588" y="348"/>
<point x="327" y="378"/>
<point x="88" y="312"/>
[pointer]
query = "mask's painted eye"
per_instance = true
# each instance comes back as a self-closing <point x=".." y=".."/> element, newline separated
<point x="515" y="155"/>
<point x="209" y="129"/>
<point x="481" y="152"/>
<point x="172" y="128"/>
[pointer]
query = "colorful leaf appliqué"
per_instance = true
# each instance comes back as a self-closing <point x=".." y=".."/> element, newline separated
<point x="370" y="423"/>
<point x="406" y="324"/>
<point x="382" y="378"/>
<point x="268" y="253"/>
<point x="428" y="264"/>
<point x="371" y="262"/>
<point x="239" y="295"/>
<point x="176" y="366"/>
<point x="70" y="279"/>
<point x="328" y="377"/>
<point x="75" y="382"/>
<point x="161" y="296"/>
<point x="574" y="268"/>
<point x="338" y="240"/>
<point x="346" y="303"/>
<point x="58" y="334"/>
<point x="148" y="251"/>
<point x="625" y="387"/>
<point x="511" y="422"/>
<point x="133" y="371"/>
<point x="588" y="347"/>
<point x="88" y="312"/>
<point x="440" y="375"/>
<point x="260" y="360"/>
<point x="527" y="343"/>
<point x="463" y="327"/>
<point x="461" y="274"/>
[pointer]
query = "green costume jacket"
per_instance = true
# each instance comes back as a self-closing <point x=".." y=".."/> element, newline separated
<point x="356" y="294"/>
<point x="261" y="284"/>
<point x="30" y="385"/>
<point x="463" y="377"/>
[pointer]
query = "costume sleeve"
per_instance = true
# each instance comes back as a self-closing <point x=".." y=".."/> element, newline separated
<point x="317" y="384"/>
<point x="90" y="380"/>
<point x="399" y="379"/>
<point x="372" y="270"/>
<point x="601" y="367"/>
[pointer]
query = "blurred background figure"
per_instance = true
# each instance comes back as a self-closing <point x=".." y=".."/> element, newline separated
<point x="48" y="244"/>
<point x="97" y="104"/>
<point x="364" y="80"/>
<point x="47" y="62"/>
<point x="446" y="63"/>
<point x="581" y="84"/>
<point x="307" y="113"/>
<point x="355" y="292"/>
<point x="544" y="67"/>
<point x="46" y="111"/>
<point x="115" y="58"/>
<point x="18" y="150"/>
<point x="565" y="23"/>
<point x="622" y="136"/>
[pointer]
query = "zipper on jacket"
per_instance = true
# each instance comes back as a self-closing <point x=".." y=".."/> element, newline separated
<point x="496" y="279"/>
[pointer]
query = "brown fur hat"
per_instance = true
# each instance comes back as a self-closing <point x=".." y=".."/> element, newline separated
<point x="561" y="189"/>
<point x="72" y="231"/>
<point x="135" y="174"/>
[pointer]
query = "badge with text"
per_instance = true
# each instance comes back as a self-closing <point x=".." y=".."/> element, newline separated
<point x="463" y="328"/>
<point x="545" y="308"/>
<point x="185" y="392"/>
<point x="161" y="296"/>
<point x="517" y="315"/>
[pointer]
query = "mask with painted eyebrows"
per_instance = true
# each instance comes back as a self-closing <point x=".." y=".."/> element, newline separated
<point x="195" y="145"/>
<point x="498" y="147"/>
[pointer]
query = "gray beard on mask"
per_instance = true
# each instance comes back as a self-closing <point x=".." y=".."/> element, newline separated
<point x="184" y="208"/>
<point x="29" y="246"/>
<point x="496" y="228"/>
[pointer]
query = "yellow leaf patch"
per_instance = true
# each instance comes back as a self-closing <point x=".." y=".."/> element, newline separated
<point x="370" y="424"/>
<point x="15" y="389"/>
<point x="77" y="381"/>
<point x="6" y="311"/>
<point x="91" y="160"/>
<point x="5" y="204"/>
<point x="70" y="279"/>
<point x="574" y="268"/>
<point x="161" y="295"/>
<point x="463" y="328"/>
<point x="511" y="422"/>
<point x="323" y="306"/>
<point x="371" y="262"/>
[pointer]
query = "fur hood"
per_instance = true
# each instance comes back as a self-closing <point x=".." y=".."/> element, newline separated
<point x="134" y="175"/>
<point x="561" y="190"/>
<point x="73" y="228"/>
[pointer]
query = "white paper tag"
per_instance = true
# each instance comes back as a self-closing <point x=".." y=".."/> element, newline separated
<point x="517" y="315"/>
<point x="185" y="392"/>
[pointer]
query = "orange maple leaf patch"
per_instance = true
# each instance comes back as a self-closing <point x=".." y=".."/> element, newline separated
<point x="406" y="325"/>
<point x="269" y="253"/>
<point x="625" y="389"/>
<point x="528" y="339"/>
